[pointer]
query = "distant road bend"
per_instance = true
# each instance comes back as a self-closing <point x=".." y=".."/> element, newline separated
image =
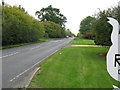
<point x="18" y="62"/>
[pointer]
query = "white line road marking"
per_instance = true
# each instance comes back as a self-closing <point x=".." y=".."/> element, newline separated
<point x="56" y="41"/>
<point x="31" y="77"/>
<point x="34" y="65"/>
<point x="31" y="67"/>
<point x="35" y="47"/>
<point x="9" y="55"/>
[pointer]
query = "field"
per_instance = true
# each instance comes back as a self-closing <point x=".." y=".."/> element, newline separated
<point x="74" y="67"/>
<point x="81" y="41"/>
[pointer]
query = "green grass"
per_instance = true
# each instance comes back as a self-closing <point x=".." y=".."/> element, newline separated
<point x="23" y="44"/>
<point x="75" y="67"/>
<point x="81" y="41"/>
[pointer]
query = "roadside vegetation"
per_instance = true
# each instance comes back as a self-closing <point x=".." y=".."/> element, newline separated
<point x="24" y="44"/>
<point x="74" y="67"/>
<point x="97" y="28"/>
<point x="20" y="28"/>
<point x="71" y="67"/>
<point x="82" y="41"/>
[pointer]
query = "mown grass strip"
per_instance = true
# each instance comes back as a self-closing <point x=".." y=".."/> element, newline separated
<point x="81" y="41"/>
<point x="75" y="67"/>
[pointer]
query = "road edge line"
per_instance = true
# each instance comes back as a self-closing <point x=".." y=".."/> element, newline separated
<point x="29" y="81"/>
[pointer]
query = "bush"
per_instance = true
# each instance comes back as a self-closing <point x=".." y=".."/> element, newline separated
<point x="19" y="27"/>
<point x="88" y="35"/>
<point x="102" y="30"/>
<point x="52" y="29"/>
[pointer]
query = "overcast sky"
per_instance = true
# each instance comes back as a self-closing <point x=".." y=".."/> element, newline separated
<point x="74" y="10"/>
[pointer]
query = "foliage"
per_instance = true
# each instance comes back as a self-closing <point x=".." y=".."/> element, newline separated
<point x="19" y="27"/>
<point x="85" y="27"/>
<point x="102" y="29"/>
<point x="51" y="14"/>
<point x="52" y="29"/>
<point x="98" y="28"/>
<point x="88" y="35"/>
<point x="21" y="8"/>
<point x="79" y="34"/>
<point x="69" y="33"/>
<point x="116" y="13"/>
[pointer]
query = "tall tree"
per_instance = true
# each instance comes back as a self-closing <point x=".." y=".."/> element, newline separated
<point x="102" y="29"/>
<point x="51" y="14"/>
<point x="85" y="27"/>
<point x="116" y="13"/>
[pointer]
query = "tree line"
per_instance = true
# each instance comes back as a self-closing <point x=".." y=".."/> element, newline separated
<point x="97" y="28"/>
<point x="19" y="27"/>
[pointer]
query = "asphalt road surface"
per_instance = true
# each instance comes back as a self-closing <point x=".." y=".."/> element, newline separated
<point x="18" y="62"/>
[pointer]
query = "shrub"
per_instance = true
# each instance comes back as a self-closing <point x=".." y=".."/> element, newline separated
<point x="52" y="29"/>
<point x="19" y="27"/>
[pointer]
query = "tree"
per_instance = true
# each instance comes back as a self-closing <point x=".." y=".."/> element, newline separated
<point x="69" y="33"/>
<point x="52" y="29"/>
<point x="85" y="27"/>
<point x="78" y="34"/>
<point x="99" y="27"/>
<point x="19" y="27"/>
<point x="115" y="12"/>
<point x="102" y="29"/>
<point x="51" y="14"/>
<point x="21" y="8"/>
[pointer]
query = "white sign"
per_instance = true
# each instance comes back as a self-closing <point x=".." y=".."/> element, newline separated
<point x="113" y="56"/>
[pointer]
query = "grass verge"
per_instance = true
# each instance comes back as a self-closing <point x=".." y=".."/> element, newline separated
<point x="23" y="44"/>
<point x="74" y="67"/>
<point x="81" y="41"/>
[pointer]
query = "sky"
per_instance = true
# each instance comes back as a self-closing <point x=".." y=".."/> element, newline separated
<point x="74" y="10"/>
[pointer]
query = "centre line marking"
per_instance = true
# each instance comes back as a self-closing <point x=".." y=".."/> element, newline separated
<point x="36" y="47"/>
<point x="34" y="65"/>
<point x="9" y="55"/>
<point x="31" y="67"/>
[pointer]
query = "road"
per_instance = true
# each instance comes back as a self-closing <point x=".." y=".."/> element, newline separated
<point x="18" y="62"/>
